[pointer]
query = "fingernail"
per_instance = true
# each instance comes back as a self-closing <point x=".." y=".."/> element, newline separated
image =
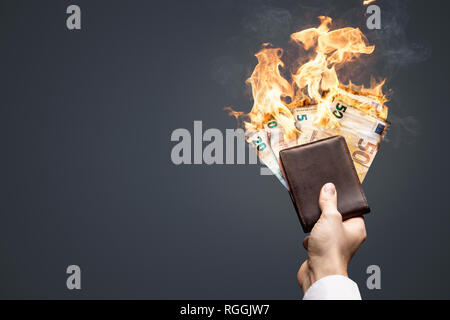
<point x="329" y="189"/>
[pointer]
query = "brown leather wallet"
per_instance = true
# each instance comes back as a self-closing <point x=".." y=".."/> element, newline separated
<point x="308" y="167"/>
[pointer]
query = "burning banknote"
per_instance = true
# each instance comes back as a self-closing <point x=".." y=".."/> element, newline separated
<point x="311" y="103"/>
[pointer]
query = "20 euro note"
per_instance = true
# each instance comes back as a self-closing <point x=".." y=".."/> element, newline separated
<point x="363" y="132"/>
<point x="259" y="140"/>
<point x="277" y="138"/>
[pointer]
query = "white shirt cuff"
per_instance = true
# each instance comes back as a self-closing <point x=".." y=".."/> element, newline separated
<point x="333" y="288"/>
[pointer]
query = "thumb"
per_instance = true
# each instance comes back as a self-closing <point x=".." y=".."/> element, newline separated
<point x="328" y="200"/>
<point x="305" y="242"/>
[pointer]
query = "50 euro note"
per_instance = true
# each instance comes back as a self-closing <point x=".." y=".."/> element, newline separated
<point x="259" y="140"/>
<point x="363" y="132"/>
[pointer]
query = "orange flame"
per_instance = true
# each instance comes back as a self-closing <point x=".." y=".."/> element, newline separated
<point x="269" y="87"/>
<point x="314" y="82"/>
<point x="367" y="2"/>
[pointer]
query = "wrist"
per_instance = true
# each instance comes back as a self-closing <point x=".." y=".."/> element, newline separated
<point x="332" y="267"/>
<point x="310" y="274"/>
<point x="319" y="274"/>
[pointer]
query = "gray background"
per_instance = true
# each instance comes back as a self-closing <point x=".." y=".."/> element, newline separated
<point x="86" y="177"/>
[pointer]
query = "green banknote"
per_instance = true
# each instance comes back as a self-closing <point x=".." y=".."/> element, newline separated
<point x="363" y="131"/>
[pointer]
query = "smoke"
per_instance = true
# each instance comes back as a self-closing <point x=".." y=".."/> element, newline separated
<point x="396" y="47"/>
<point x="402" y="130"/>
<point x="260" y="22"/>
<point x="267" y="23"/>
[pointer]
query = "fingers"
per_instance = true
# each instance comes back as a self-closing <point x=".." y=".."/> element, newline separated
<point x="305" y="242"/>
<point x="328" y="200"/>
<point x="302" y="276"/>
<point x="356" y="228"/>
<point x="356" y="223"/>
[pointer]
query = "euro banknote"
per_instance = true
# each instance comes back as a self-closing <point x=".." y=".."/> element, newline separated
<point x="363" y="131"/>
<point x="259" y="140"/>
<point x="277" y="138"/>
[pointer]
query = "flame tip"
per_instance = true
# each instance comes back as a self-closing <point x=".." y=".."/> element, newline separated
<point x="313" y="82"/>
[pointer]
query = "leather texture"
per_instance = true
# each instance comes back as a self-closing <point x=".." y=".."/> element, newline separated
<point x="308" y="167"/>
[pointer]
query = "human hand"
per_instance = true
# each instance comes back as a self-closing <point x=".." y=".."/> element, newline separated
<point x="332" y="242"/>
